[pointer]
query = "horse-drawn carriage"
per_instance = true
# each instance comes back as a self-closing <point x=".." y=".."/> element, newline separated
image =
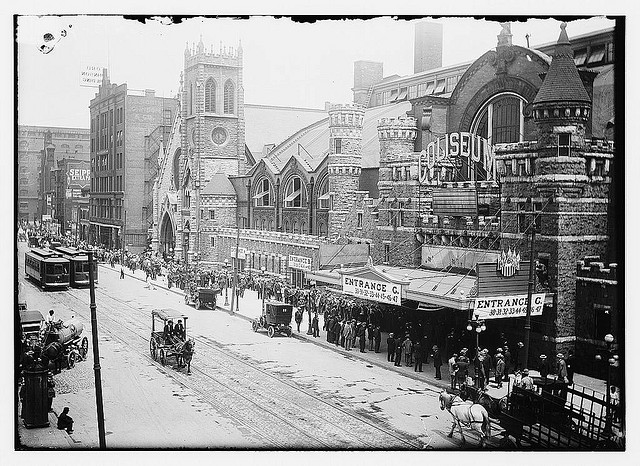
<point x="30" y="325"/>
<point x="62" y="341"/>
<point x="276" y="318"/>
<point x="167" y="343"/>
<point x="201" y="297"/>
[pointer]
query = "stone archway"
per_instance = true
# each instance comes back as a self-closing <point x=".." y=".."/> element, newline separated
<point x="167" y="235"/>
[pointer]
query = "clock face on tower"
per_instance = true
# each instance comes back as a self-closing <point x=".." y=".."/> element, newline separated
<point x="219" y="135"/>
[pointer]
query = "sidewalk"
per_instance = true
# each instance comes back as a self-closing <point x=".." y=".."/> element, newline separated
<point x="43" y="437"/>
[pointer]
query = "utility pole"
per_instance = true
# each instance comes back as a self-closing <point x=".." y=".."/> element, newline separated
<point x="527" y="321"/>
<point x="96" y="354"/>
<point x="235" y="267"/>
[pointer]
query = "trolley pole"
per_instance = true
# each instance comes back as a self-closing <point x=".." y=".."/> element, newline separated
<point x="96" y="354"/>
<point x="527" y="321"/>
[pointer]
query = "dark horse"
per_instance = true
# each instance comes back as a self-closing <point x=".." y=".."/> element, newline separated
<point x="184" y="353"/>
<point x="54" y="351"/>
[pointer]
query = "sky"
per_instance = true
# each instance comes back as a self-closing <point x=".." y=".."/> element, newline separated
<point x="285" y="63"/>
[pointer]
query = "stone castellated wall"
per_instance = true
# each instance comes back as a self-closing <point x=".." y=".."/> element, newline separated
<point x="344" y="165"/>
<point x="596" y="306"/>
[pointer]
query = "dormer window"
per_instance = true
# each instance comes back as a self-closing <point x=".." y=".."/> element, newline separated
<point x="564" y="144"/>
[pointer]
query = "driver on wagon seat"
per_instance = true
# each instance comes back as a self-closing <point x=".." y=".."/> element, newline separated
<point x="168" y="330"/>
<point x="178" y="330"/>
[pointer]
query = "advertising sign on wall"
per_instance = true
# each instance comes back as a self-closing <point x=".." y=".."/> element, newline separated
<point x="299" y="262"/>
<point x="91" y="75"/>
<point x="78" y="175"/>
<point x="375" y="290"/>
<point x="500" y="307"/>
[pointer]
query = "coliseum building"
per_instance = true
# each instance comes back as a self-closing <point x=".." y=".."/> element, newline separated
<point x="513" y="146"/>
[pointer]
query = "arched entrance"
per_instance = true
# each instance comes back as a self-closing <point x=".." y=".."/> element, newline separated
<point x="167" y="236"/>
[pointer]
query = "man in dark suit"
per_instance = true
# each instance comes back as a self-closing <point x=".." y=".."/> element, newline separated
<point x="437" y="362"/>
<point x="178" y="330"/>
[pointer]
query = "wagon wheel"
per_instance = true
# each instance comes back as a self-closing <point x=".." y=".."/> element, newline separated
<point x="71" y="359"/>
<point x="271" y="331"/>
<point x="163" y="359"/>
<point x="153" y="349"/>
<point x="502" y="405"/>
<point x="254" y="326"/>
<point x="84" y="348"/>
<point x="197" y="302"/>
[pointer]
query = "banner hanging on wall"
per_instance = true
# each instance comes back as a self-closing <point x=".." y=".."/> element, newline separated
<point x="375" y="290"/>
<point x="500" y="307"/>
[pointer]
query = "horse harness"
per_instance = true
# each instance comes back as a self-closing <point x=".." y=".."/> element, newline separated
<point x="451" y="403"/>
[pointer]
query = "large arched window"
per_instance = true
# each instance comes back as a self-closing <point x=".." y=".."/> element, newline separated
<point x="286" y="226"/>
<point x="323" y="194"/>
<point x="176" y="168"/>
<point x="295" y="193"/>
<point x="263" y="193"/>
<point x="229" y="97"/>
<point x="210" y="96"/>
<point x="501" y="119"/>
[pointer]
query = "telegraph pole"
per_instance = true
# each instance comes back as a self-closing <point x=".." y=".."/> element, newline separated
<point x="527" y="321"/>
<point x="235" y="268"/>
<point x="96" y="354"/>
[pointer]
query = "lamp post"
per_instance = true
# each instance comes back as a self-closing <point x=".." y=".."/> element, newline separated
<point x="226" y="284"/>
<point x="479" y="326"/>
<point x="262" y="275"/>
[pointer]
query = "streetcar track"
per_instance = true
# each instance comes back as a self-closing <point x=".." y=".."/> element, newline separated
<point x="220" y="349"/>
<point x="308" y="416"/>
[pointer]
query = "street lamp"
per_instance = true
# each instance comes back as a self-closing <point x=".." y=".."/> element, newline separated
<point x="479" y="326"/>
<point x="262" y="274"/>
<point x="226" y="284"/>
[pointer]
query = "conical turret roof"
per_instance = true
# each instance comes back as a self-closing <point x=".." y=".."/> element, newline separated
<point x="562" y="82"/>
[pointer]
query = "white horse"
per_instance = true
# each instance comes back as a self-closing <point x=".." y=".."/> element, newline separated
<point x="474" y="416"/>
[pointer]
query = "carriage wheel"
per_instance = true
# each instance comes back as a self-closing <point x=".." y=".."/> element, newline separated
<point x="254" y="326"/>
<point x="84" y="348"/>
<point x="71" y="359"/>
<point x="153" y="349"/>
<point x="197" y="302"/>
<point x="163" y="358"/>
<point x="271" y="331"/>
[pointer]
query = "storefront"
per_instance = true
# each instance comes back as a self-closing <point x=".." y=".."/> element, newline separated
<point x="297" y="266"/>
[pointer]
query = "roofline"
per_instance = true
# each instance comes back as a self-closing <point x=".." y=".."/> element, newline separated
<point x="47" y="127"/>
<point x="578" y="37"/>
<point x="425" y="73"/>
<point x="302" y="109"/>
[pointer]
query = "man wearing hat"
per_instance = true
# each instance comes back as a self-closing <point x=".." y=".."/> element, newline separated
<point x="178" y="330"/>
<point x="391" y="347"/>
<point x="527" y="381"/>
<point x="561" y="375"/>
<point x="499" y="369"/>
<point x="543" y="368"/>
<point x="487" y="363"/>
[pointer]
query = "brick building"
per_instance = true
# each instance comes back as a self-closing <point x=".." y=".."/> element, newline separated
<point x="124" y="129"/>
<point x="33" y="169"/>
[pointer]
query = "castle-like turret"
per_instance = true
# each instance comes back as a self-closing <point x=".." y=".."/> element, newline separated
<point x="345" y="159"/>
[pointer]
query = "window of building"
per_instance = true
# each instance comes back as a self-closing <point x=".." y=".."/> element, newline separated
<point x="596" y="55"/>
<point x="360" y="218"/>
<point x="24" y="205"/>
<point x="337" y="146"/>
<point x="212" y="214"/>
<point x="430" y="88"/>
<point x="286" y="226"/>
<point x="191" y="99"/>
<point x="24" y="192"/>
<point x="501" y="120"/>
<point x="440" y="85"/>
<point x="263" y="224"/>
<point x="295" y="227"/>
<point x="451" y="83"/>
<point x="229" y="97"/>
<point x="394" y="95"/>
<point x="580" y="57"/>
<point x="387" y="252"/>
<point x="323" y="194"/>
<point x="263" y="194"/>
<point x="602" y="320"/>
<point x="210" y="96"/>
<point x="564" y="144"/>
<point x="295" y="194"/>
<point x="537" y="218"/>
<point x="610" y="52"/>
<point x="385" y="97"/>
<point x="413" y="91"/>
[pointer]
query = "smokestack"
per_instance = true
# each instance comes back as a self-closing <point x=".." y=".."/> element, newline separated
<point x="428" y="47"/>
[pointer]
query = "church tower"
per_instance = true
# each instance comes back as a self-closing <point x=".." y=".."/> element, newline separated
<point x="558" y="185"/>
<point x="213" y="141"/>
<point x="345" y="161"/>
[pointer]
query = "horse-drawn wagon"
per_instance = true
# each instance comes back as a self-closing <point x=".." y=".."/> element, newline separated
<point x="167" y="342"/>
<point x="276" y="318"/>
